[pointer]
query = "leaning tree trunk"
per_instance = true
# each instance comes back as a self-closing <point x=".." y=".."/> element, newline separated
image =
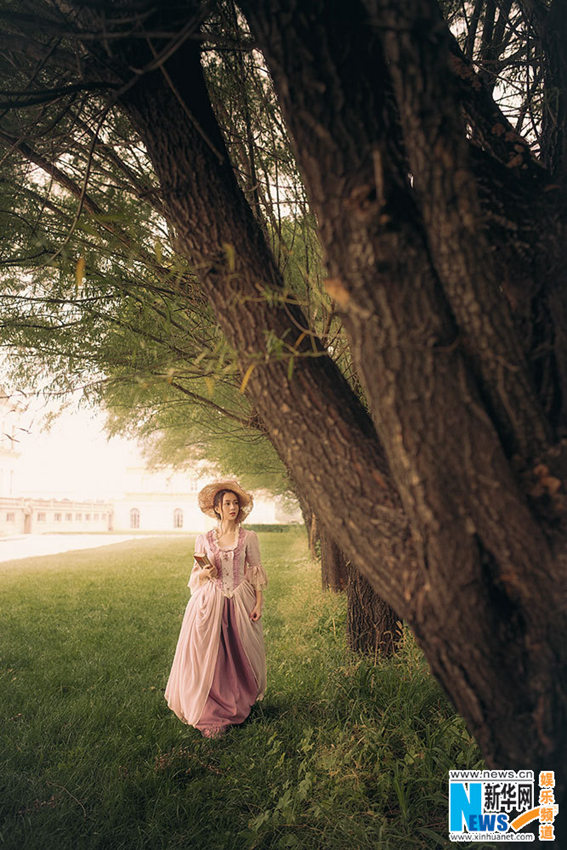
<point x="373" y="628"/>
<point x="419" y="286"/>
<point x="216" y="230"/>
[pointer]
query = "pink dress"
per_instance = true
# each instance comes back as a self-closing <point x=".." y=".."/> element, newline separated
<point x="219" y="667"/>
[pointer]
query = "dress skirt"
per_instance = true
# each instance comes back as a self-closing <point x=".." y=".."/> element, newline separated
<point x="234" y="690"/>
<point x="219" y="667"/>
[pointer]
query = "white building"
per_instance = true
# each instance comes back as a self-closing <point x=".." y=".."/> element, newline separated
<point x="166" y="500"/>
<point x="40" y="516"/>
<point x="23" y="515"/>
<point x="153" y="500"/>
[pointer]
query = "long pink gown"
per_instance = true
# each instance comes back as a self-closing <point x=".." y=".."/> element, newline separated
<point x="219" y="667"/>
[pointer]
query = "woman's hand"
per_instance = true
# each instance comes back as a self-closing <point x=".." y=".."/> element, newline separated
<point x="256" y="612"/>
<point x="210" y="572"/>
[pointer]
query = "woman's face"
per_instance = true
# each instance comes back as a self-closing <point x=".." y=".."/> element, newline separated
<point x="230" y="506"/>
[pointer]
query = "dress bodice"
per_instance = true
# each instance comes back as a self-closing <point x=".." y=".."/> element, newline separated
<point x="234" y="564"/>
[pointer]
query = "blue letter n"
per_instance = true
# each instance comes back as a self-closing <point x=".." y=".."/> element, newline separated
<point x="463" y="805"/>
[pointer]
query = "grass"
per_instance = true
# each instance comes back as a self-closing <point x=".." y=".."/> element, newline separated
<point x="340" y="754"/>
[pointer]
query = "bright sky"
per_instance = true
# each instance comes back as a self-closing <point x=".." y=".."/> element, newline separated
<point x="74" y="458"/>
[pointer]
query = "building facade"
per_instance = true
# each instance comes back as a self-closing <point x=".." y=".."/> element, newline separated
<point x="21" y="514"/>
<point x="166" y="500"/>
<point x="42" y="516"/>
<point x="152" y="501"/>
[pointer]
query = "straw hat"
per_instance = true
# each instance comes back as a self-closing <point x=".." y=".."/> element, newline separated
<point x="207" y="498"/>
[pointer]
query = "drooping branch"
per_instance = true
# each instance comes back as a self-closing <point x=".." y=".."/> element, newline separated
<point x="14" y="99"/>
<point x="89" y="205"/>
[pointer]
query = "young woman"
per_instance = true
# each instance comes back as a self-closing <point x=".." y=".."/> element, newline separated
<point x="219" y="667"/>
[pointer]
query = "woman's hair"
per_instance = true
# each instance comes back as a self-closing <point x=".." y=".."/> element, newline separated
<point x="217" y="501"/>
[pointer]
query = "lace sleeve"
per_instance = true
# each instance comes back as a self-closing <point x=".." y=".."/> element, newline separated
<point x="253" y="569"/>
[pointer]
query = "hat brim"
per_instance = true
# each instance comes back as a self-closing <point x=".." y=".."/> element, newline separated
<point x="207" y="495"/>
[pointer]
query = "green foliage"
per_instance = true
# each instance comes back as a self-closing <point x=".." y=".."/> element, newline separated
<point x="94" y="295"/>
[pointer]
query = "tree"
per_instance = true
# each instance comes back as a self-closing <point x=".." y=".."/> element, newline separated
<point x="151" y="355"/>
<point x="372" y="628"/>
<point x="142" y="341"/>
<point x="444" y="241"/>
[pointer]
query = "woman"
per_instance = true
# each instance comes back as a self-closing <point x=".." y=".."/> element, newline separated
<point x="219" y="667"/>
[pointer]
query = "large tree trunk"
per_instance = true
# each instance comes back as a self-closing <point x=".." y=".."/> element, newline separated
<point x="309" y="520"/>
<point x="449" y="388"/>
<point x="372" y="625"/>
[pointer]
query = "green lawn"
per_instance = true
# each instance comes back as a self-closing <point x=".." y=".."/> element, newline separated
<point x="340" y="754"/>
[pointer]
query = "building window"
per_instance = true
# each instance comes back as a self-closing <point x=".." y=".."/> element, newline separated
<point x="10" y="517"/>
<point x="87" y="517"/>
<point x="41" y="516"/>
<point x="78" y="517"/>
<point x="178" y="518"/>
<point x="57" y="517"/>
<point x="134" y="518"/>
<point x="68" y="517"/>
<point x="95" y="517"/>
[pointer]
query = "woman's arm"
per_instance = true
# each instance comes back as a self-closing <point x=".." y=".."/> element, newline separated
<point x="199" y="574"/>
<point x="256" y="612"/>
<point x="255" y="573"/>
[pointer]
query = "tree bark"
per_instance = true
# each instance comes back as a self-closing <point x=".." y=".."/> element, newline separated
<point x="309" y="520"/>
<point x="449" y="389"/>
<point x="372" y="626"/>
<point x="215" y="228"/>
<point x="333" y="564"/>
